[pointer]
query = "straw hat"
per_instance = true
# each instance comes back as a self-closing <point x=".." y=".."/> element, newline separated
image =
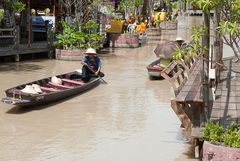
<point x="91" y="51"/>
<point x="179" y="39"/>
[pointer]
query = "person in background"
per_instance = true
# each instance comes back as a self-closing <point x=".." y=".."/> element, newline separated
<point x="91" y="65"/>
<point x="181" y="43"/>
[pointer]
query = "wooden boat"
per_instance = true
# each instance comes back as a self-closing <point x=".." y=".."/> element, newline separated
<point x="72" y="84"/>
<point x="154" y="69"/>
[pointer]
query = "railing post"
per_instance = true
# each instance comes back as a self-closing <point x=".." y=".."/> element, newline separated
<point x="17" y="42"/>
<point x="49" y="38"/>
<point x="16" y="37"/>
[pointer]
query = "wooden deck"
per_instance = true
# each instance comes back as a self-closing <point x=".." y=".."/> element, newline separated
<point x="226" y="107"/>
<point x="36" y="47"/>
<point x="11" y="43"/>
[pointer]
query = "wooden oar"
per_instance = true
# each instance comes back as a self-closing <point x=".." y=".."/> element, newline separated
<point x="94" y="72"/>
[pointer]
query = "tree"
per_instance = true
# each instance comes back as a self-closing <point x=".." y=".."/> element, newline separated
<point x="228" y="27"/>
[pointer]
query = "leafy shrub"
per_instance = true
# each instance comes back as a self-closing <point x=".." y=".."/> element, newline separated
<point x="18" y="6"/>
<point x="72" y="39"/>
<point x="1" y="14"/>
<point x="230" y="137"/>
<point x="213" y="132"/>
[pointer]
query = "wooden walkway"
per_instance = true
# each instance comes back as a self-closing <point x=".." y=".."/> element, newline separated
<point x="37" y="47"/>
<point x="226" y="107"/>
<point x="11" y="44"/>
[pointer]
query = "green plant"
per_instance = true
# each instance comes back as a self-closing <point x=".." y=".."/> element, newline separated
<point x="18" y="6"/>
<point x="157" y="22"/>
<point x="70" y="38"/>
<point x="91" y="26"/>
<point x="213" y="132"/>
<point x="179" y="53"/>
<point x="131" y="5"/>
<point x="229" y="10"/>
<point x="1" y="14"/>
<point x="93" y="38"/>
<point x="232" y="136"/>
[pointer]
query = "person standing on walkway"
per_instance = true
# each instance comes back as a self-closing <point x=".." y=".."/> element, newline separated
<point x="91" y="65"/>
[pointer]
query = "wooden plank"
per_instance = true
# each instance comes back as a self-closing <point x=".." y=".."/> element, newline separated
<point x="6" y="29"/>
<point x="6" y="36"/>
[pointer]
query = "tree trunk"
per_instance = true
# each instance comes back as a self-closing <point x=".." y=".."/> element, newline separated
<point x="205" y="52"/>
<point x="218" y="44"/>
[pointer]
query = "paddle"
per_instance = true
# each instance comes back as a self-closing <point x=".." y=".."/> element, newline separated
<point x="94" y="72"/>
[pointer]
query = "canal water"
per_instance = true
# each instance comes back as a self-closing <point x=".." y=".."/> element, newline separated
<point x="128" y="119"/>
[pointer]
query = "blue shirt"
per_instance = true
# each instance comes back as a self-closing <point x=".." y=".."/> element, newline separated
<point x="95" y="63"/>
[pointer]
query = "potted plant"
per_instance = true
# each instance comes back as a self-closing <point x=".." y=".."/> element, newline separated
<point x="18" y="7"/>
<point x="73" y="43"/>
<point x="220" y="143"/>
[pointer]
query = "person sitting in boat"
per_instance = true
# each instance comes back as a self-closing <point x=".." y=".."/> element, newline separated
<point x="181" y="43"/>
<point x="91" y="65"/>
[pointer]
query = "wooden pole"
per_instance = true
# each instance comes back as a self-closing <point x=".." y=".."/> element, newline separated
<point x="29" y="24"/>
<point x="54" y="7"/>
<point x="205" y="52"/>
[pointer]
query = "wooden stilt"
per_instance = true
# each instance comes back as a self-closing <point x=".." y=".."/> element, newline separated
<point x="186" y="122"/>
<point x="17" y="57"/>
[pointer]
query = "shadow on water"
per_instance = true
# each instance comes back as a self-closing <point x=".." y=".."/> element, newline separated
<point x="19" y="66"/>
<point x="155" y="78"/>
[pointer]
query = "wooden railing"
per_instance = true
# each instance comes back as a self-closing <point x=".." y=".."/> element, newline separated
<point x="10" y="42"/>
<point x="185" y="78"/>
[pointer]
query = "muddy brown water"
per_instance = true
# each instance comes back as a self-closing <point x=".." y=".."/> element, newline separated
<point x="129" y="119"/>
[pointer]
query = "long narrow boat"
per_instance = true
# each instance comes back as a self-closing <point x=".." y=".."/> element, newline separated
<point x="72" y="84"/>
<point x="154" y="69"/>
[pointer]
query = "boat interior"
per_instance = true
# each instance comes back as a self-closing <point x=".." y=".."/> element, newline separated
<point x="69" y="81"/>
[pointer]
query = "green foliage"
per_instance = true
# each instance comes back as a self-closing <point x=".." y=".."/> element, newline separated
<point x="157" y="22"/>
<point x="174" y="5"/>
<point x="197" y="32"/>
<point x="72" y="39"/>
<point x="1" y="14"/>
<point x="232" y="28"/>
<point x="179" y="53"/>
<point x="193" y="48"/>
<point x="91" y="26"/>
<point x="18" y="6"/>
<point x="230" y="137"/>
<point x="213" y="132"/>
<point x="93" y="38"/>
<point x="129" y="4"/>
<point x="205" y="5"/>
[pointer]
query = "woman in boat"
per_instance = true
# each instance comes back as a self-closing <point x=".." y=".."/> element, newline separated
<point x="181" y="43"/>
<point x="91" y="65"/>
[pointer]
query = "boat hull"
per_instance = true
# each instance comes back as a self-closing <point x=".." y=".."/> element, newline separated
<point x="152" y="71"/>
<point x="40" y="99"/>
